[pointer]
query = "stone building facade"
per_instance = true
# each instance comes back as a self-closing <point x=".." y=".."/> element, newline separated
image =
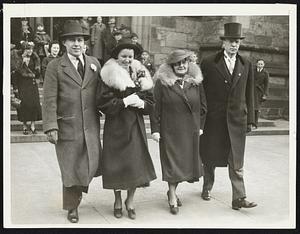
<point x="267" y="37"/>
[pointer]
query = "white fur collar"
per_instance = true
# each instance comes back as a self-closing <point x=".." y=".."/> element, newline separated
<point x="114" y="76"/>
<point x="168" y="78"/>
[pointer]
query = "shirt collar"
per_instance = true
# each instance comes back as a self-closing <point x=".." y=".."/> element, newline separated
<point x="227" y="56"/>
<point x="73" y="58"/>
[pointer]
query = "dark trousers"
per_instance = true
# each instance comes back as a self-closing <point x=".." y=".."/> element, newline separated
<point x="72" y="196"/>
<point x="256" y="117"/>
<point x="236" y="178"/>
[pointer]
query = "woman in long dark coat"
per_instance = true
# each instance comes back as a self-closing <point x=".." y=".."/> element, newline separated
<point x="97" y="40"/>
<point x="124" y="99"/>
<point x="27" y="71"/>
<point x="180" y="107"/>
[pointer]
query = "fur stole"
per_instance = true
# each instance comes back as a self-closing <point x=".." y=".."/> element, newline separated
<point x="167" y="77"/>
<point x="115" y="76"/>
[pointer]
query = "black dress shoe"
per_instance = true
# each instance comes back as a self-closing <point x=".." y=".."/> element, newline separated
<point x="118" y="212"/>
<point x="130" y="211"/>
<point x="179" y="203"/>
<point x="242" y="203"/>
<point x="205" y="195"/>
<point x="73" y="215"/>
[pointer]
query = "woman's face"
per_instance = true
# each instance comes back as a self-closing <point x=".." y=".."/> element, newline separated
<point x="181" y="67"/>
<point x="54" y="49"/>
<point x="99" y="19"/>
<point x="193" y="58"/>
<point x="145" y="55"/>
<point x="125" y="57"/>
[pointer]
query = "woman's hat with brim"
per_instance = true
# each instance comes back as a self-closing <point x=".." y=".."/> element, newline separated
<point x="124" y="43"/>
<point x="27" y="45"/>
<point x="72" y="28"/>
<point x="178" y="55"/>
<point x="232" y="31"/>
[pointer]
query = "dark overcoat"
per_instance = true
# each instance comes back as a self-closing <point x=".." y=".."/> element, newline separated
<point x="126" y="159"/>
<point x="24" y="79"/>
<point x="179" y="116"/>
<point x="230" y="104"/>
<point x="261" y="81"/>
<point x="70" y="107"/>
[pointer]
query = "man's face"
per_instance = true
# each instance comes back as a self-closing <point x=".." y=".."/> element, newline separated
<point x="193" y="58"/>
<point x="40" y="28"/>
<point x="74" y="45"/>
<point x="134" y="40"/>
<point x="260" y="64"/>
<point x="181" y="67"/>
<point x="118" y="37"/>
<point x="125" y="57"/>
<point x="231" y="45"/>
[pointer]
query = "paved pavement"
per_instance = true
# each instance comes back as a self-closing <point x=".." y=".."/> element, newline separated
<point x="36" y="193"/>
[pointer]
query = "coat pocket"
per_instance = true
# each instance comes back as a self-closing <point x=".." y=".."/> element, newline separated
<point x="66" y="128"/>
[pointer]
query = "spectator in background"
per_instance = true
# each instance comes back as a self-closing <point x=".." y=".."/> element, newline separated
<point x="146" y="61"/>
<point x="109" y="38"/>
<point x="97" y="40"/>
<point x="27" y="70"/>
<point x="125" y="30"/>
<point x="134" y="39"/>
<point x="85" y="24"/>
<point x="261" y="81"/>
<point x="25" y="33"/>
<point x="54" y="49"/>
<point x="194" y="58"/>
<point x="117" y="36"/>
<point x="42" y="41"/>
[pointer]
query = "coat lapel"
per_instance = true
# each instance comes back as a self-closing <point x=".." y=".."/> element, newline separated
<point x="221" y="67"/>
<point x="237" y="73"/>
<point x="70" y="70"/>
<point x="179" y="91"/>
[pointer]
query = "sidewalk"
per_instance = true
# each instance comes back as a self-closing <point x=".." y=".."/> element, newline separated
<point x="36" y="195"/>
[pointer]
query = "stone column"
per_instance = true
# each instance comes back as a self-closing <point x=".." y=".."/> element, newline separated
<point x="141" y="26"/>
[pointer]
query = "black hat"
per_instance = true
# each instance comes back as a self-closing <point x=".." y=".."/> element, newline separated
<point x="73" y="28"/>
<point x="124" y="43"/>
<point x="232" y="30"/>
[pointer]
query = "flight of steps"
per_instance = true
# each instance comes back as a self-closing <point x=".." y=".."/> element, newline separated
<point x="265" y="127"/>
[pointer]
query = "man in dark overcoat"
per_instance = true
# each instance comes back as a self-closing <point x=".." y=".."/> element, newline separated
<point x="229" y="87"/>
<point x="70" y="118"/>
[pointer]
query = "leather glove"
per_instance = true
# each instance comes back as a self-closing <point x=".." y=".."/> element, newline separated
<point x="200" y="132"/>
<point x="52" y="136"/>
<point x="156" y="136"/>
<point x="131" y="99"/>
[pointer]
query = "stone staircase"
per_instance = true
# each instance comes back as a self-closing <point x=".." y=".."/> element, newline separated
<point x="265" y="127"/>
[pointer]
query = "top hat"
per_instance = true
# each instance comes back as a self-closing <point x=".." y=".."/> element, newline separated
<point x="232" y="30"/>
<point x="178" y="55"/>
<point x="73" y="28"/>
<point x="124" y="43"/>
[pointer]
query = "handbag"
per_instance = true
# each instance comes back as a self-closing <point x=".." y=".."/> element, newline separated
<point x="15" y="102"/>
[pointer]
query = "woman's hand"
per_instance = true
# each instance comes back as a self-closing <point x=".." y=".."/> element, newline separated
<point x="200" y="132"/>
<point x="156" y="136"/>
<point x="133" y="100"/>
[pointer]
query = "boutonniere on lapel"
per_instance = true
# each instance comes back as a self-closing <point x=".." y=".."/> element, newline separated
<point x="93" y="67"/>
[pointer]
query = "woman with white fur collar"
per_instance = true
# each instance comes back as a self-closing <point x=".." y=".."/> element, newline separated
<point x="180" y="108"/>
<point x="124" y="98"/>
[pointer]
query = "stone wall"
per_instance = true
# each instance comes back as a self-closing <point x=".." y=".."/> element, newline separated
<point x="267" y="37"/>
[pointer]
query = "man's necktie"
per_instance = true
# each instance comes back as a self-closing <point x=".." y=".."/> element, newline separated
<point x="80" y="68"/>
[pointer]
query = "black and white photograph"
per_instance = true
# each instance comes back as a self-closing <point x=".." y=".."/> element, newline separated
<point x="149" y="116"/>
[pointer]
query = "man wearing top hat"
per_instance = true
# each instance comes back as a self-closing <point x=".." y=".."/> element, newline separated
<point x="229" y="87"/>
<point x="70" y="118"/>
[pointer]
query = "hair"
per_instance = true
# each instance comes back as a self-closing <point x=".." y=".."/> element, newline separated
<point x="50" y="45"/>
<point x="260" y="59"/>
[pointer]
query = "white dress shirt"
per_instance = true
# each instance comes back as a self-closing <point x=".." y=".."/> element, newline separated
<point x="230" y="62"/>
<point x="74" y="60"/>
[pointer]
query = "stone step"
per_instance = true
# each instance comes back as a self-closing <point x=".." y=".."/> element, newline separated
<point x="280" y="127"/>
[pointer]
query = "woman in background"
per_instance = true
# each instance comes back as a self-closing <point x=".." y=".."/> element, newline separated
<point x="54" y="51"/>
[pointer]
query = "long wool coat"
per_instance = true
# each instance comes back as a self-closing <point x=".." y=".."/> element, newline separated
<point x="70" y="107"/>
<point x="126" y="159"/>
<point x="230" y="104"/>
<point x="261" y="81"/>
<point x="24" y="79"/>
<point x="179" y="115"/>
<point x="97" y="42"/>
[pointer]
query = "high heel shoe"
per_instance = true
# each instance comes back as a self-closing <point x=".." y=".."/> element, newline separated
<point x="130" y="211"/>
<point x="173" y="209"/>
<point x="118" y="212"/>
<point x="179" y="203"/>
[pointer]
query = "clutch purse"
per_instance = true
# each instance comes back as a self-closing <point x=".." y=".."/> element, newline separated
<point x="15" y="102"/>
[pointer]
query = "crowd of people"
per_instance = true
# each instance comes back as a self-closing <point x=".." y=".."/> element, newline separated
<point x="199" y="113"/>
